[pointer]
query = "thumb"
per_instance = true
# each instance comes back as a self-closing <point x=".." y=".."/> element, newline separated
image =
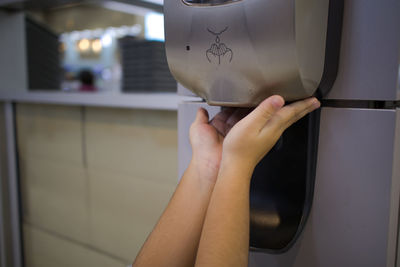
<point x="201" y="116"/>
<point x="264" y="111"/>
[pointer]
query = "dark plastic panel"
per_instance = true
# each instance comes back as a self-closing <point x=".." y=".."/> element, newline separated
<point x="282" y="188"/>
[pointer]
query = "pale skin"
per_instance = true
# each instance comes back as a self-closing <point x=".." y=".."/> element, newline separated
<point x="206" y="222"/>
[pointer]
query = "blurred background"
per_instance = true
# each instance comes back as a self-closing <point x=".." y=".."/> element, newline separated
<point x="88" y="130"/>
<point x="95" y="45"/>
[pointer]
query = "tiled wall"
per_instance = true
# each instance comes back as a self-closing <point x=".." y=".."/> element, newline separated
<point x="93" y="181"/>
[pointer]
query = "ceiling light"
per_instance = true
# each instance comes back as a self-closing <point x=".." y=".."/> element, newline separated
<point x="83" y="44"/>
<point x="96" y="46"/>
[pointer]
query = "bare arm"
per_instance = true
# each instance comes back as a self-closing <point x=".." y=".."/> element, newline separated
<point x="225" y="236"/>
<point x="174" y="241"/>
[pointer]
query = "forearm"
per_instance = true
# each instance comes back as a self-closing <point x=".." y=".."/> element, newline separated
<point x="225" y="235"/>
<point x="174" y="240"/>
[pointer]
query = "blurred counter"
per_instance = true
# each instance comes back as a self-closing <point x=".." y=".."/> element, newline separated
<point x="155" y="101"/>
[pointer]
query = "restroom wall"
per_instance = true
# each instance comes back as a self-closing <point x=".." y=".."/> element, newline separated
<point x="93" y="181"/>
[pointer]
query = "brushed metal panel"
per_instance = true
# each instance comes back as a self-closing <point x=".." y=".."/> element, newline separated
<point x="370" y="52"/>
<point x="350" y="223"/>
<point x="395" y="237"/>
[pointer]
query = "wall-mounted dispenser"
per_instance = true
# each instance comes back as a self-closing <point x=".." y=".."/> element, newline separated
<point x="237" y="53"/>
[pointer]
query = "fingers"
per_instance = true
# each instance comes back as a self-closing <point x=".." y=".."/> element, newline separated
<point x="236" y="116"/>
<point x="263" y="113"/>
<point x="201" y="116"/>
<point x="292" y="113"/>
<point x="219" y="120"/>
<point x="223" y="115"/>
<point x="227" y="118"/>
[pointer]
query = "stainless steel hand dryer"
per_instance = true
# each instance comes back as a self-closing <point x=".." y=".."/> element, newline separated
<point x="238" y="52"/>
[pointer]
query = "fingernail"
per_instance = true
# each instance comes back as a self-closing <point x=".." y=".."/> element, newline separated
<point x="277" y="101"/>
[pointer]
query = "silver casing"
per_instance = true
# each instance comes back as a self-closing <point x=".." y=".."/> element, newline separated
<point x="239" y="53"/>
<point x="354" y="221"/>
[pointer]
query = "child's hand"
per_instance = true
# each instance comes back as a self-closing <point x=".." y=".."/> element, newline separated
<point x="252" y="137"/>
<point x="206" y="137"/>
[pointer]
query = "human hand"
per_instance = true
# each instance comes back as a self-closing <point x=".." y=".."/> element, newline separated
<point x="206" y="138"/>
<point x="252" y="137"/>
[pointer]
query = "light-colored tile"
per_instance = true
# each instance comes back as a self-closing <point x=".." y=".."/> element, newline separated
<point x="49" y="131"/>
<point x="124" y="211"/>
<point x="55" y="196"/>
<point x="113" y="202"/>
<point x="141" y="143"/>
<point x="46" y="250"/>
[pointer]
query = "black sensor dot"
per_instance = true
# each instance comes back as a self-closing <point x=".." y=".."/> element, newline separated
<point x="187" y="48"/>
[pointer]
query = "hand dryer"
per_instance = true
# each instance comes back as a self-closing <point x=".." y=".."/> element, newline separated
<point x="239" y="52"/>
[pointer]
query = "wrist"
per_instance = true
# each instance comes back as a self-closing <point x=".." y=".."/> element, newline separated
<point x="238" y="166"/>
<point x="204" y="169"/>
